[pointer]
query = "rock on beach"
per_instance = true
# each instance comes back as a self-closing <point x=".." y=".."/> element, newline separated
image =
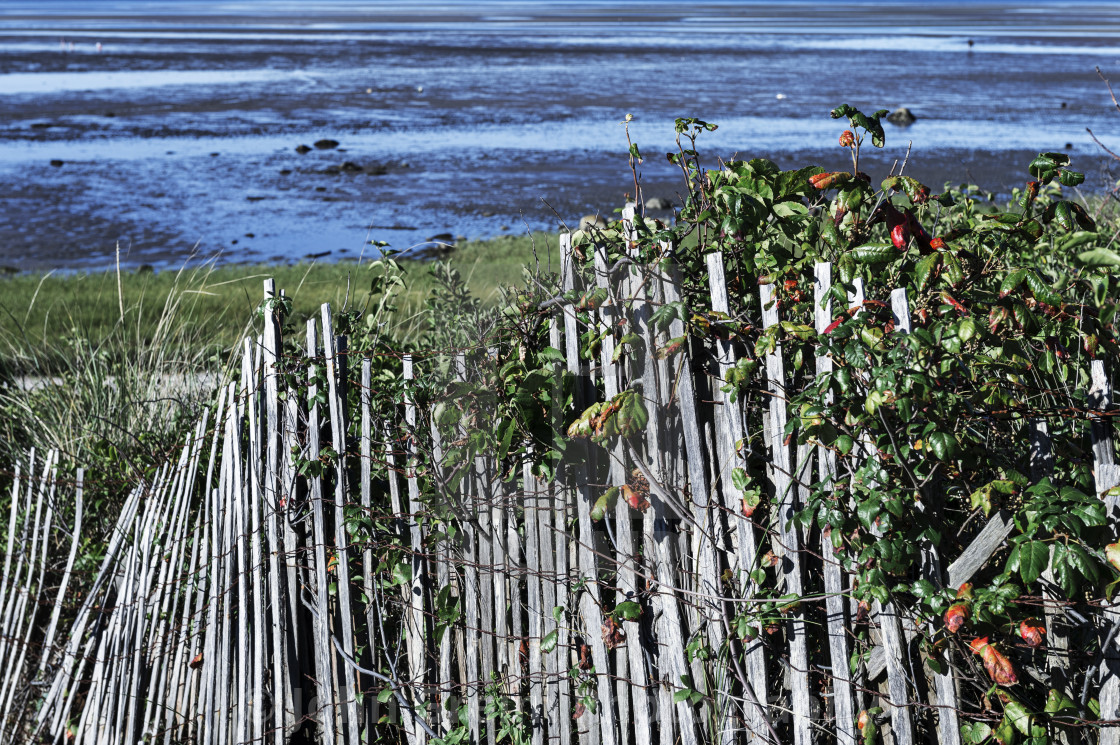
<point x="902" y="116"/>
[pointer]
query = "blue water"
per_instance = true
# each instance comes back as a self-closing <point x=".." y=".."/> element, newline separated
<point x="178" y="134"/>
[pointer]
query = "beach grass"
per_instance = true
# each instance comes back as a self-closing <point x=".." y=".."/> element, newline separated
<point x="44" y="315"/>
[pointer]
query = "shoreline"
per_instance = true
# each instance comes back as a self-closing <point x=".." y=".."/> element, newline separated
<point x="171" y="141"/>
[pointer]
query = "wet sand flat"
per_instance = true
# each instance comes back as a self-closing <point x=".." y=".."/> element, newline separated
<point x="180" y="134"/>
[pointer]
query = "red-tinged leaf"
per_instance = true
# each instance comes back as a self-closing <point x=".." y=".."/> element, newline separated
<point x="964" y="592"/>
<point x="847" y="139"/>
<point x="823" y="181"/>
<point x="864" y="719"/>
<point x="900" y="235"/>
<point x="770" y="559"/>
<point x="955" y="303"/>
<point x="833" y="326"/>
<point x="978" y="644"/>
<point x="613" y="636"/>
<point x="997" y="316"/>
<point x="580" y="709"/>
<point x="585" y="662"/>
<point x="196" y="661"/>
<point x="955" y="617"/>
<point x="634" y="498"/>
<point x="937" y="243"/>
<point x="999" y="668"/>
<point x="1112" y="553"/>
<point x="748" y="508"/>
<point x="1031" y="632"/>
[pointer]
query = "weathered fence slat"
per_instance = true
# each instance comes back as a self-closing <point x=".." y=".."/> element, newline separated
<point x="631" y="688"/>
<point x="836" y="618"/>
<point x="1106" y="476"/>
<point x="418" y="635"/>
<point x="552" y="522"/>
<point x="324" y="652"/>
<point x="335" y="358"/>
<point x="944" y="685"/>
<point x="591" y="596"/>
<point x="789" y="542"/>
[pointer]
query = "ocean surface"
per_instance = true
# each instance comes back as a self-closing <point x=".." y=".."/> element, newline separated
<point x="173" y="126"/>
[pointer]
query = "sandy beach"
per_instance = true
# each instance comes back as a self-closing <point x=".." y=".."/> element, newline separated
<point x="182" y="134"/>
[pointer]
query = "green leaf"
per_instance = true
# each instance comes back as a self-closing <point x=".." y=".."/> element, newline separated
<point x="1005" y="733"/>
<point x="628" y="611"/>
<point x="982" y="497"/>
<point x="869" y="510"/>
<point x="1019" y="716"/>
<point x="548" y="643"/>
<point x="402" y="573"/>
<point x="604" y="504"/>
<point x="967" y="329"/>
<point x="1056" y="701"/>
<point x="558" y="613"/>
<point x="976" y="732"/>
<point x="923" y="589"/>
<point x="507" y="439"/>
<point x="1011" y="282"/>
<point x="943" y="445"/>
<point x="384" y="695"/>
<point x="924" y="269"/>
<point x="874" y="253"/>
<point x="1034" y="556"/>
<point x="1099" y="257"/>
<point x="1071" y="178"/>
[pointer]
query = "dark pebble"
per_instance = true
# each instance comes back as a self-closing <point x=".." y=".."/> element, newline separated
<point x="110" y="114"/>
<point x="250" y="235"/>
<point x="303" y="149"/>
<point x="320" y="188"/>
<point x="57" y="163"/>
<point x="234" y="242"/>
<point x="325" y="144"/>
<point x="319" y="255"/>
<point x="214" y="155"/>
<point x="352" y="167"/>
<point x="41" y="125"/>
<point x="285" y="171"/>
<point x="1069" y="146"/>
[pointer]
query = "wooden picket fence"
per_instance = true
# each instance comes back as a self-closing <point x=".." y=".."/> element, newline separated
<point x="232" y="605"/>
